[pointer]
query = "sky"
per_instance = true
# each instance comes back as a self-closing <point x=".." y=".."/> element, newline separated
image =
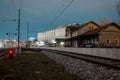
<point x="43" y="15"/>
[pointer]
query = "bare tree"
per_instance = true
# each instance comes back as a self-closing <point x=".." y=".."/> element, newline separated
<point x="118" y="8"/>
<point x="104" y="21"/>
<point x="118" y="11"/>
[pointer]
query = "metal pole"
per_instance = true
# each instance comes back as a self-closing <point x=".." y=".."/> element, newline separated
<point x="18" y="31"/>
<point x="27" y="34"/>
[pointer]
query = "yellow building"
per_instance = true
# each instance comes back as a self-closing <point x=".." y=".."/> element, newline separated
<point x="105" y="36"/>
<point x="93" y="34"/>
<point x="73" y="33"/>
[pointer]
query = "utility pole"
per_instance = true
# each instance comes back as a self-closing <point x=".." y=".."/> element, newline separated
<point x="27" y="35"/>
<point x="27" y="31"/>
<point x="18" y="31"/>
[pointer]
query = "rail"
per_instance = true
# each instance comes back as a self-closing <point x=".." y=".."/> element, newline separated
<point x="105" y="61"/>
<point x="3" y="51"/>
<point x="110" y="63"/>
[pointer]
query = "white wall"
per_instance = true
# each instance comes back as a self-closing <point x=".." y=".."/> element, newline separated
<point x="60" y="32"/>
<point x="41" y="36"/>
<point x="101" y="52"/>
<point x="51" y="35"/>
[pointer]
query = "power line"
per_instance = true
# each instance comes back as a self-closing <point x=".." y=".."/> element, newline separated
<point x="61" y="7"/>
<point x="14" y="9"/>
<point x="59" y="10"/>
<point x="60" y="13"/>
<point x="13" y="6"/>
<point x="21" y="4"/>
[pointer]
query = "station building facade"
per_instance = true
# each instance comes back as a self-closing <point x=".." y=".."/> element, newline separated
<point x="92" y="33"/>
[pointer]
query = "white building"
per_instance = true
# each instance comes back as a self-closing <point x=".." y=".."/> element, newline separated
<point x="51" y="36"/>
<point x="41" y="36"/>
<point x="8" y="43"/>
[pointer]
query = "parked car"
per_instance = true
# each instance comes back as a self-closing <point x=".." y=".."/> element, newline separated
<point x="88" y="45"/>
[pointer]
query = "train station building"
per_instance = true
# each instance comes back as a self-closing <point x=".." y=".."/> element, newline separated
<point x="93" y="35"/>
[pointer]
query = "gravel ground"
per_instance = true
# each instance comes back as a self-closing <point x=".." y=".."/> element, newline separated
<point x="86" y="70"/>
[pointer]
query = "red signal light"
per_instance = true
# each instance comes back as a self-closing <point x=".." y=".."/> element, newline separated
<point x="11" y="52"/>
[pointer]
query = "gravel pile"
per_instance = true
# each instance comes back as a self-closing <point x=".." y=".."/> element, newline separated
<point x="86" y="70"/>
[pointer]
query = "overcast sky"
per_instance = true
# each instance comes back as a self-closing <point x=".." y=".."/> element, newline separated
<point x="43" y="14"/>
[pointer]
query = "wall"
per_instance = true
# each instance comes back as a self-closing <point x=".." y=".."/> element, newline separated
<point x="50" y="35"/>
<point x="111" y="33"/>
<point x="41" y="36"/>
<point x="101" y="52"/>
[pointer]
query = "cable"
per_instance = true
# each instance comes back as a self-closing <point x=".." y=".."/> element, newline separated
<point x="13" y="6"/>
<point x="61" y="12"/>
<point x="58" y="11"/>
<point x="118" y="7"/>
<point x="21" y="4"/>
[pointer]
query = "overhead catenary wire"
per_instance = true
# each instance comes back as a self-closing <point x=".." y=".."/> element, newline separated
<point x="21" y="4"/>
<point x="5" y="19"/>
<point x="13" y="7"/>
<point x="57" y="12"/>
<point x="61" y="12"/>
<point x="62" y="8"/>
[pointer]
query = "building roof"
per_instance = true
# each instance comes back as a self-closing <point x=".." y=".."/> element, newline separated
<point x="90" y="22"/>
<point x="97" y="30"/>
<point x="78" y="26"/>
<point x="73" y="28"/>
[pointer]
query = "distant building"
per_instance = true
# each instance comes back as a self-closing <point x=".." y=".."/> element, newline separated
<point x="41" y="36"/>
<point x="55" y="37"/>
<point x="8" y="43"/>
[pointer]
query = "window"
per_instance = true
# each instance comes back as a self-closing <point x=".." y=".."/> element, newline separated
<point x="108" y="41"/>
<point x="90" y="28"/>
<point x="116" y="41"/>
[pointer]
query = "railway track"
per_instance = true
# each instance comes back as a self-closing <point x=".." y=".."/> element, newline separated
<point x="110" y="63"/>
<point x="3" y="52"/>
